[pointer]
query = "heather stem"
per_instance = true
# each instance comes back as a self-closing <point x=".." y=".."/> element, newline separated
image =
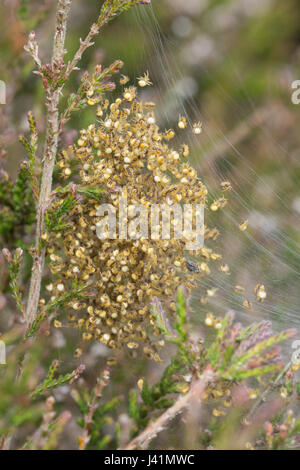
<point x="155" y="427"/>
<point x="51" y="144"/>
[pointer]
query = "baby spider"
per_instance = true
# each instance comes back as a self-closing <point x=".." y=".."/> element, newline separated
<point x="197" y="128"/>
<point x="124" y="80"/>
<point x="144" y="80"/>
<point x="193" y="267"/>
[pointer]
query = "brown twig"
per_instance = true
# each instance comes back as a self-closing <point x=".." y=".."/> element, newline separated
<point x="155" y="427"/>
<point x="88" y="419"/>
<point x="5" y="442"/>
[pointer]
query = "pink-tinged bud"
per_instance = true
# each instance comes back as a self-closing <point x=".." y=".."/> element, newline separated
<point x="73" y="189"/>
<point x="19" y="252"/>
<point x="98" y="68"/>
<point x="110" y="86"/>
<point x="80" y="369"/>
<point x="4" y="175"/>
<point x="283" y="430"/>
<point x="31" y="36"/>
<point x="7" y="254"/>
<point x="49" y="403"/>
<point x="145" y="2"/>
<point x="91" y="293"/>
<point x="45" y="83"/>
<point x="77" y="373"/>
<point x="291" y="332"/>
<point x="116" y="66"/>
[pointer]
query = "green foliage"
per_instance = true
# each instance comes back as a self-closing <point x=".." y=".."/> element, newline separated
<point x="55" y="220"/>
<point x="161" y="395"/>
<point x="100" y="430"/>
<point x="235" y="358"/>
<point x="52" y="382"/>
<point x="91" y="90"/>
<point x="236" y="355"/>
<point x="34" y="327"/>
<point x="178" y="336"/>
<point x="31" y="144"/>
<point x="285" y="434"/>
<point x="23" y="9"/>
<point x="100" y="439"/>
<point x="111" y="8"/>
<point x="76" y="292"/>
<point x="91" y="192"/>
<point x="17" y="206"/>
<point x="14" y="263"/>
<point x="17" y="199"/>
<point x="16" y="380"/>
<point x="154" y="398"/>
<point x="21" y="405"/>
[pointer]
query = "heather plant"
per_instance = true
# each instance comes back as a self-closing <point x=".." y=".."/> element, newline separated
<point x="126" y="295"/>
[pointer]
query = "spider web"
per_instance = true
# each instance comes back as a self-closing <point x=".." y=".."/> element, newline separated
<point x="266" y="253"/>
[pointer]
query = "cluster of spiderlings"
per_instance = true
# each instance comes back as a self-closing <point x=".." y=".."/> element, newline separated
<point x="220" y="395"/>
<point x="127" y="155"/>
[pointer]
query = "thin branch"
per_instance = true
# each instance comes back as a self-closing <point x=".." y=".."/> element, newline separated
<point x="5" y="442"/>
<point x="52" y="101"/>
<point x="33" y="49"/>
<point x="154" y="428"/>
<point x="66" y="115"/>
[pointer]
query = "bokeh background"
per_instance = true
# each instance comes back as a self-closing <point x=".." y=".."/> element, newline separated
<point x="227" y="63"/>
